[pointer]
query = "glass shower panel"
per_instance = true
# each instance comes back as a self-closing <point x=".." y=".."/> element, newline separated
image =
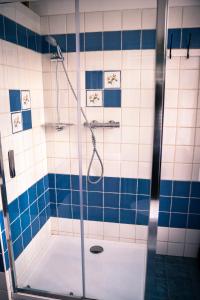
<point x="119" y="69"/>
<point x="39" y="122"/>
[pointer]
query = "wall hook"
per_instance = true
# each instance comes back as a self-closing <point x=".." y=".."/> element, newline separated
<point x="188" y="46"/>
<point x="170" y="47"/>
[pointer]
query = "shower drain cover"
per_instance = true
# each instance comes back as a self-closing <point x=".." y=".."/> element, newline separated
<point x="96" y="249"/>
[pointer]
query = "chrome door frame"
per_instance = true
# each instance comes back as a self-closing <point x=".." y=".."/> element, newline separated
<point x="160" y="71"/>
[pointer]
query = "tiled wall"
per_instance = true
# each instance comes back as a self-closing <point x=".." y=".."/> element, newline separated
<point x="21" y="70"/>
<point x="114" y="40"/>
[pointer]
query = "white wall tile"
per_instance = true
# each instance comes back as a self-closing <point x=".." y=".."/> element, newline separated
<point x="170" y="117"/>
<point x="129" y="152"/>
<point x="191" y="250"/>
<point x="94" y="60"/>
<point x="144" y="170"/>
<point x="94" y="22"/>
<point x="111" y="230"/>
<point x="127" y="231"/>
<point x="168" y="153"/>
<point x="185" y="136"/>
<point x="163" y="234"/>
<point x="130" y="116"/>
<point x="147" y="79"/>
<point x="177" y="235"/>
<point x="186" y="118"/>
<point x="112" y="60"/>
<point x="172" y="79"/>
<point x="191" y="16"/>
<point x="131" y="59"/>
<point x="112" y="20"/>
<point x="127" y="79"/>
<point x="58" y="24"/>
<point x="161" y="248"/>
<point x="193" y="236"/>
<point x="175" y="17"/>
<point x="146" y="135"/>
<point x="130" y="97"/>
<point x="167" y="170"/>
<point x="129" y="169"/>
<point x="189" y="79"/>
<point x="192" y="63"/>
<point x="146" y="117"/>
<point x="182" y="171"/>
<point x="148" y="18"/>
<point x="130" y="135"/>
<point x="141" y="232"/>
<point x="184" y="154"/>
<point x="131" y="19"/>
<point x="188" y="98"/>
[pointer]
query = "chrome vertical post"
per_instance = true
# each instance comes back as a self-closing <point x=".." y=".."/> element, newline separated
<point x="160" y="67"/>
<point x="77" y="26"/>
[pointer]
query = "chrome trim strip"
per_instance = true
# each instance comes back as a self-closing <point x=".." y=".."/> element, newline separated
<point x="160" y="68"/>
<point x="6" y="219"/>
<point x="79" y="133"/>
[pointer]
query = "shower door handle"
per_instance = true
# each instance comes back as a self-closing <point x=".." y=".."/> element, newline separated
<point x="11" y="161"/>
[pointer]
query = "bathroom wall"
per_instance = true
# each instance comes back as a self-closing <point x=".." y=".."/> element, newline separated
<point x="117" y="209"/>
<point x="21" y="130"/>
<point x="127" y="152"/>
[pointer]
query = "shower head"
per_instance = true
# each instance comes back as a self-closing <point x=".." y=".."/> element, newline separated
<point x="52" y="42"/>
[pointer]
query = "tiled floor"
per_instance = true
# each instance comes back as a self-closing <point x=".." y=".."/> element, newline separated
<point x="175" y="278"/>
<point x="116" y="274"/>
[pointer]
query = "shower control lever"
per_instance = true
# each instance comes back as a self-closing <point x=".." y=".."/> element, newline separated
<point x="11" y="161"/>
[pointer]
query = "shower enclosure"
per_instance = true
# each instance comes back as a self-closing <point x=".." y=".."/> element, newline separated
<point x="81" y="144"/>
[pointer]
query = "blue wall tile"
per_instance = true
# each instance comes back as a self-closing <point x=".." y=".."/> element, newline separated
<point x="35" y="227"/>
<point x="52" y="180"/>
<point x="178" y="220"/>
<point x="111" y="184"/>
<point x="98" y="187"/>
<point x="23" y="201"/>
<point x="111" y="200"/>
<point x="94" y="80"/>
<point x="112" y="40"/>
<point x="128" y="185"/>
<point x="38" y="43"/>
<point x="22" y="38"/>
<point x="31" y="40"/>
<point x="76" y="198"/>
<point x="52" y="195"/>
<point x="143" y="186"/>
<point x="45" y="45"/>
<point x="195" y="206"/>
<point x="95" y="214"/>
<point x="142" y="202"/>
<point x="166" y="187"/>
<point x="40" y="187"/>
<point x="15" y="100"/>
<point x="26" y="236"/>
<point x="71" y="42"/>
<point x="76" y="212"/>
<point x="112" y="98"/>
<point x="194" y="221"/>
<point x="63" y="196"/>
<point x="95" y="199"/>
<point x="174" y="35"/>
<point x="64" y="211"/>
<point x="195" y="37"/>
<point x="93" y="41"/>
<point x="180" y="204"/>
<point x="142" y="217"/>
<point x="165" y="203"/>
<point x="17" y="247"/>
<point x="195" y="189"/>
<point x="63" y="181"/>
<point x="41" y="203"/>
<point x="2" y="33"/>
<point x="10" y="30"/>
<point x="53" y="208"/>
<point x="25" y="219"/>
<point x="34" y="210"/>
<point x="131" y="39"/>
<point x="27" y="119"/>
<point x="13" y="210"/>
<point x="181" y="188"/>
<point x="128" y="201"/>
<point x="15" y="229"/>
<point x="127" y="216"/>
<point x="148" y="39"/>
<point x="32" y="193"/>
<point x="163" y="219"/>
<point x="111" y="215"/>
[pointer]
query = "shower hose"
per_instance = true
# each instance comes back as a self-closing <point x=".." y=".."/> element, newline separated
<point x="95" y="151"/>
